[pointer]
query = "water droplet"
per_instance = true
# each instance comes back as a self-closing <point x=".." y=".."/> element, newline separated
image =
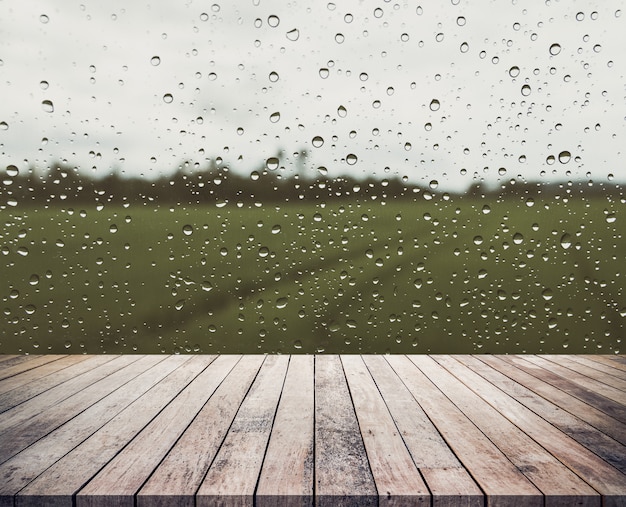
<point x="318" y="141"/>
<point x="297" y="344"/>
<point x="47" y="106"/>
<point x="23" y="251"/>
<point x="564" y="157"/>
<point x="339" y="38"/>
<point x="293" y="35"/>
<point x="264" y="251"/>
<point x="526" y="90"/>
<point x="275" y="117"/>
<point x="65" y="324"/>
<point x="187" y="230"/>
<point x="30" y="309"/>
<point x="610" y="218"/>
<point x="342" y="111"/>
<point x="555" y="49"/>
<point x="281" y="303"/>
<point x="486" y="209"/>
<point x="12" y="171"/>
<point x="155" y="60"/>
<point x="67" y="343"/>
<point x="34" y="279"/>
<point x="113" y="228"/>
<point x="4" y="125"/>
<point x="518" y="238"/>
<point x="273" y="21"/>
<point x="478" y="240"/>
<point x="276" y="229"/>
<point x="351" y="159"/>
<point x="272" y="163"/>
<point x="168" y="98"/>
<point x="273" y="77"/>
<point x="566" y="241"/>
<point x="206" y="286"/>
<point x="514" y="71"/>
<point x="43" y="85"/>
<point x="44" y="19"/>
<point x="179" y="304"/>
<point x="324" y="72"/>
<point x="434" y="105"/>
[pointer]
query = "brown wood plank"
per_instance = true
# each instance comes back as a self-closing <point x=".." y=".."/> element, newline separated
<point x="611" y="408"/>
<point x="233" y="475"/>
<point x="342" y="472"/>
<point x="22" y="366"/>
<point x="175" y="482"/>
<point x="42" y="372"/>
<point x="621" y="359"/>
<point x="593" y="371"/>
<point x="502" y="482"/>
<point x="73" y="442"/>
<point x="588" y="413"/>
<point x="124" y="475"/>
<point x="549" y="475"/>
<point x="602" y="477"/>
<point x="7" y="360"/>
<point x="19" y="436"/>
<point x="449" y="483"/>
<point x="397" y="479"/>
<point x="287" y="473"/>
<point x="598" y="366"/>
<point x="583" y="380"/>
<point x="604" y="446"/>
<point x="606" y="361"/>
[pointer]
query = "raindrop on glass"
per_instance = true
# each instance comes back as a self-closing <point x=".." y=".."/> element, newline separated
<point x="555" y="49"/>
<point x="47" y="106"/>
<point x="168" y="98"/>
<point x="155" y="60"/>
<point x="566" y="241"/>
<point x="564" y="157"/>
<point x="434" y="105"/>
<point x="293" y="35"/>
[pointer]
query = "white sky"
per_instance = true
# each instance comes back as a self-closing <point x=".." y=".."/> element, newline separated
<point x="109" y="108"/>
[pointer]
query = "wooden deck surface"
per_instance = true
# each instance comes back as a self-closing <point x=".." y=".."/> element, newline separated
<point x="312" y="430"/>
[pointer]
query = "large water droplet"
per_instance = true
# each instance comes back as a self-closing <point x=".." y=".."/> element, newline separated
<point x="351" y="159"/>
<point x="187" y="230"/>
<point x="168" y="98"/>
<point x="318" y="141"/>
<point x="566" y="241"/>
<point x="564" y="157"/>
<point x="293" y="35"/>
<point x="514" y="71"/>
<point x="275" y="117"/>
<point x="12" y="171"/>
<point x="555" y="49"/>
<point x="342" y="111"/>
<point x="4" y="125"/>
<point x="526" y="90"/>
<point x="518" y="238"/>
<point x="434" y="105"/>
<point x="272" y="163"/>
<point x="47" y="106"/>
<point x="281" y="303"/>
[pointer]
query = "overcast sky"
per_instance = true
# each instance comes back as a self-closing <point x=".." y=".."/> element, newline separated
<point x="449" y="91"/>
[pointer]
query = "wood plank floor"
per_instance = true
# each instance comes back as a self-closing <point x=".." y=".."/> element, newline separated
<point x="312" y="430"/>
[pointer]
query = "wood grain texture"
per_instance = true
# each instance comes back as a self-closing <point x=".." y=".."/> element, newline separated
<point x="187" y="431"/>
<point x="342" y="472"/>
<point x="16" y="367"/>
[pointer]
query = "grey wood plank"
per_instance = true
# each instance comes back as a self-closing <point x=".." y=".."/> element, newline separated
<point x="596" y="418"/>
<point x="287" y="473"/>
<point x="175" y="482"/>
<point x="7" y="360"/>
<point x="22" y="366"/>
<point x="597" y="400"/>
<point x="604" y="446"/>
<point x="605" y="361"/>
<point x="124" y="475"/>
<point x="499" y="479"/>
<point x="447" y="480"/>
<point x="18" y="437"/>
<point x="583" y="380"/>
<point x="581" y="366"/>
<point x="601" y="476"/>
<point x="25" y="410"/>
<point x="233" y="475"/>
<point x="42" y="372"/>
<point x="342" y="471"/>
<point x="397" y="479"/>
<point x="550" y="476"/>
<point x="70" y="448"/>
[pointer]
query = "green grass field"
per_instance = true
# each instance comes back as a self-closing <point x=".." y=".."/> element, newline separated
<point x="408" y="277"/>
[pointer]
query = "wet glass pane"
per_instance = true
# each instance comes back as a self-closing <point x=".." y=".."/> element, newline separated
<point x="268" y="176"/>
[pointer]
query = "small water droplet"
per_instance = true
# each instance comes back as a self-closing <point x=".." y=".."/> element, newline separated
<point x="4" y="125"/>
<point x="155" y="60"/>
<point x="555" y="49"/>
<point x="275" y="117"/>
<point x="273" y="21"/>
<point x="179" y="304"/>
<point x="611" y="218"/>
<point x="342" y="112"/>
<point x="293" y="35"/>
<point x="113" y="228"/>
<point x="276" y="229"/>
<point x="264" y="251"/>
<point x="478" y="240"/>
<point x="30" y="309"/>
<point x="514" y="71"/>
<point x="34" y="279"/>
<point x="434" y="105"/>
<point x="526" y="90"/>
<point x="168" y="98"/>
<point x="324" y="72"/>
<point x="44" y="18"/>
<point x="564" y="157"/>
<point x="351" y="159"/>
<point x="297" y="344"/>
<point x="47" y="106"/>
<point x="281" y="303"/>
<point x="65" y="324"/>
<point x="318" y="141"/>
<point x="518" y="238"/>
<point x="206" y="286"/>
<point x="273" y="77"/>
<point x="12" y="171"/>
<point x="272" y="163"/>
<point x="187" y="230"/>
<point x="566" y="241"/>
<point x="23" y="251"/>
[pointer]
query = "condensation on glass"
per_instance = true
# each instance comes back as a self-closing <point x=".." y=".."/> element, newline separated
<point x="265" y="177"/>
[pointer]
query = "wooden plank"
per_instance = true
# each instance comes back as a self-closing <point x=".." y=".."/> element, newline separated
<point x="596" y="418"/>
<point x="449" y="483"/>
<point x="105" y="365"/>
<point x="500" y="480"/>
<point x="397" y="479"/>
<point x="287" y="473"/>
<point x="604" y="446"/>
<point x="71" y="447"/>
<point x="233" y="475"/>
<point x="605" y="360"/>
<point x="7" y="360"/>
<point x="124" y="475"/>
<point x="549" y="475"/>
<point x="621" y="359"/>
<point x="42" y="372"/>
<point x="342" y="472"/>
<point x="580" y="379"/>
<point x="175" y="482"/>
<point x="16" y="369"/>
<point x="602" y="403"/>
<point x="18" y="437"/>
<point x="601" y="476"/>
<point x="593" y="371"/>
